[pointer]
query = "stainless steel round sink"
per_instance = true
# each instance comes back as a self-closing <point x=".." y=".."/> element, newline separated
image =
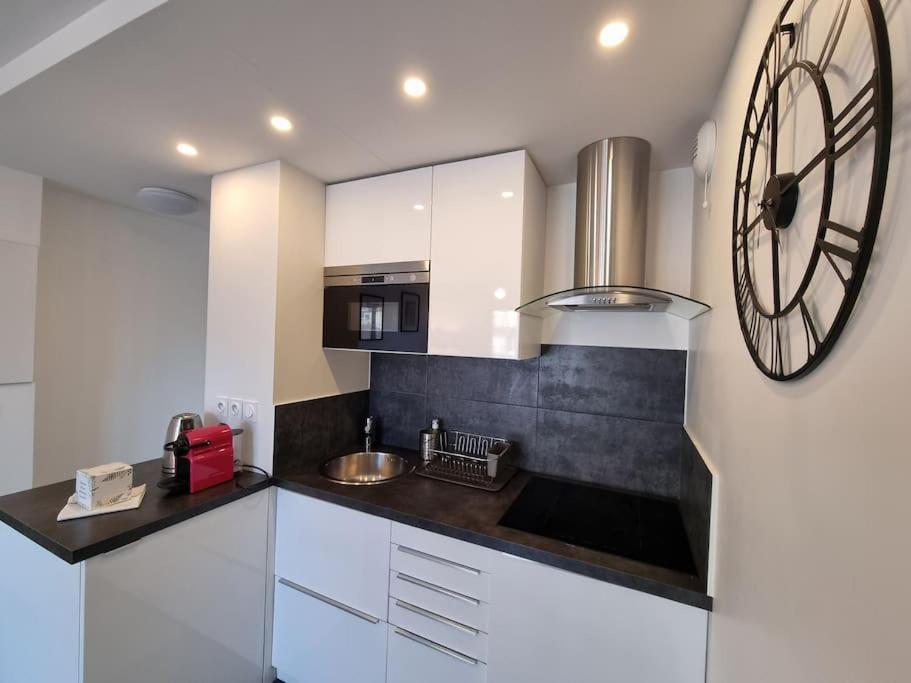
<point x="365" y="468"/>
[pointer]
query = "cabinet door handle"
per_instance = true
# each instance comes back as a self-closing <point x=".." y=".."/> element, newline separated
<point x="436" y="646"/>
<point x="329" y="601"/>
<point x="436" y="617"/>
<point x="439" y="560"/>
<point x="437" y="589"/>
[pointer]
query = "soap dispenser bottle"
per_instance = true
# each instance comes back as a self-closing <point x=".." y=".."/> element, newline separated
<point x="430" y="440"/>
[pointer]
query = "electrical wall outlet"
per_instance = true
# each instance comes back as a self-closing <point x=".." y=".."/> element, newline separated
<point x="235" y="411"/>
<point x="250" y="411"/>
<point x="221" y="408"/>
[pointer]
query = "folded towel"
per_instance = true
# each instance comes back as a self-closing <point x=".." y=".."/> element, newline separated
<point x="72" y="509"/>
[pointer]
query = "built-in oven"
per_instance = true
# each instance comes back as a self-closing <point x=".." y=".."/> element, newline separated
<point x="377" y="307"/>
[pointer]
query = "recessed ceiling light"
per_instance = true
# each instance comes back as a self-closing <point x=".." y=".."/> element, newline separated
<point x="414" y="87"/>
<point x="499" y="293"/>
<point x="187" y="149"/>
<point x="508" y="194"/>
<point x="418" y="207"/>
<point x="281" y="123"/>
<point x="613" y="33"/>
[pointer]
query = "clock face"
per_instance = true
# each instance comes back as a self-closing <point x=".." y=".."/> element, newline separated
<point x="811" y="178"/>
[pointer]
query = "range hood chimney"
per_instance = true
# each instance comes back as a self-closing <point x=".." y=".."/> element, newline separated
<point x="611" y="222"/>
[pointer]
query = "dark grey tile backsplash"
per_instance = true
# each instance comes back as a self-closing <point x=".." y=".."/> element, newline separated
<point x="311" y="431"/>
<point x="602" y="415"/>
<point x="645" y="384"/>
<point x="509" y="382"/>
<point x="638" y="455"/>
<point x="606" y="415"/>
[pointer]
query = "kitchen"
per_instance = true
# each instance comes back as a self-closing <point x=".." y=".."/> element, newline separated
<point x="495" y="407"/>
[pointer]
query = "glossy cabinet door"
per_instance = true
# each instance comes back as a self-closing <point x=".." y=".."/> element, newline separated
<point x="486" y="257"/>
<point x="187" y="603"/>
<point x="335" y="551"/>
<point x="549" y="625"/>
<point x="384" y="219"/>
<point x="315" y="640"/>
<point x="415" y="659"/>
<point x="40" y="620"/>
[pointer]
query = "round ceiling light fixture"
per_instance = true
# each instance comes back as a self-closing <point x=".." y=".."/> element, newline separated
<point x="187" y="149"/>
<point x="281" y="123"/>
<point x="414" y="87"/>
<point x="613" y="34"/>
<point x="167" y="201"/>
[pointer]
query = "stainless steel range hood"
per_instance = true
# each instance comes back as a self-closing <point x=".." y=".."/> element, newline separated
<point x="611" y="211"/>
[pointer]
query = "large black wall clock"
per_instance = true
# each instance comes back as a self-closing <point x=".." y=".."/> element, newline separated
<point x="811" y="179"/>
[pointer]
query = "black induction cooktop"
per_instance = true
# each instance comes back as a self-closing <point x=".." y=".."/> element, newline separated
<point x="637" y="527"/>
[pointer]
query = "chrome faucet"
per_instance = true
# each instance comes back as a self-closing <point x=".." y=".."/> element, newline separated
<point x="369" y="429"/>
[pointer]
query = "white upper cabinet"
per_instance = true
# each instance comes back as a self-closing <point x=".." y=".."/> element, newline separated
<point x="385" y="219"/>
<point x="487" y="257"/>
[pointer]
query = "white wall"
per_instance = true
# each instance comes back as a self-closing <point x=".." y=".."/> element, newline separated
<point x="243" y="266"/>
<point x="121" y="332"/>
<point x="20" y="233"/>
<point x="265" y="300"/>
<point x="813" y="551"/>
<point x="668" y="246"/>
<point x="303" y="369"/>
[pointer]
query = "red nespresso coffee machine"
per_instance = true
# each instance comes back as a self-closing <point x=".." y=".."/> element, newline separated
<point x="204" y="458"/>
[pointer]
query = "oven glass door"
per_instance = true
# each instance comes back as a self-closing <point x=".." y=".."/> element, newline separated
<point x="376" y="317"/>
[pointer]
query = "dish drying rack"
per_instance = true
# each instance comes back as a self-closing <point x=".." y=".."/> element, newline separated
<point x="482" y="462"/>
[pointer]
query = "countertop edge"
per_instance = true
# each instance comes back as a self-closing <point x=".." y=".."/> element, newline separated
<point x="123" y="539"/>
<point x="625" y="580"/>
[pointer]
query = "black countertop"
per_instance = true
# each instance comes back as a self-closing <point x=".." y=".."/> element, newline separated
<point x="459" y="512"/>
<point x="34" y="513"/>
<point x="472" y="515"/>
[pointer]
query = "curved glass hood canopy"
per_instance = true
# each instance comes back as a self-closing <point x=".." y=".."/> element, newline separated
<point x="613" y="298"/>
<point x="609" y="266"/>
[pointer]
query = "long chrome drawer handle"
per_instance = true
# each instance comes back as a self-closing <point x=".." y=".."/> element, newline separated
<point x="329" y="601"/>
<point x="436" y="646"/>
<point x="439" y="560"/>
<point x="436" y="617"/>
<point x="437" y="589"/>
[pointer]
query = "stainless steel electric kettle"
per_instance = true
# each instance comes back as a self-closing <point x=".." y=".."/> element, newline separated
<point x="179" y="424"/>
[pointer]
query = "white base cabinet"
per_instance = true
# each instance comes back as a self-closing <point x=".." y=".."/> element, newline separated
<point x="414" y="659"/>
<point x="550" y="625"/>
<point x="316" y="640"/>
<point x="333" y="551"/>
<point x="187" y="603"/>
<point x="458" y="612"/>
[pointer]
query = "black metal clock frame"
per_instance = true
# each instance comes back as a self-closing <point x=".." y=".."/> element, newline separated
<point x="869" y="110"/>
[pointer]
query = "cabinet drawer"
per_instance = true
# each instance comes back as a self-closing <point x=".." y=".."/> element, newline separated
<point x="337" y="552"/>
<point x="462" y="608"/>
<point x="414" y="659"/>
<point x="462" y="638"/>
<point x="441" y="571"/>
<point x="314" y="640"/>
<point x="453" y="549"/>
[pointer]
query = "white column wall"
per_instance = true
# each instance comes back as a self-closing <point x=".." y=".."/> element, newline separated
<point x="20" y="235"/>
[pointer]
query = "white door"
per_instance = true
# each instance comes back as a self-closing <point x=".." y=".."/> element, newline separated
<point x="415" y="659"/>
<point x="187" y="603"/>
<point x="550" y="625"/>
<point x="477" y="255"/>
<point x="385" y="219"/>
<point x="318" y="640"/>
<point x="334" y="551"/>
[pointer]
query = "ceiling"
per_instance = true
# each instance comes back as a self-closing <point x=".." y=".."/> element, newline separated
<point x="27" y="22"/>
<point x="503" y="74"/>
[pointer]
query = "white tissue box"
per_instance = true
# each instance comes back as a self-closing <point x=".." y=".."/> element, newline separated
<point x="103" y="485"/>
